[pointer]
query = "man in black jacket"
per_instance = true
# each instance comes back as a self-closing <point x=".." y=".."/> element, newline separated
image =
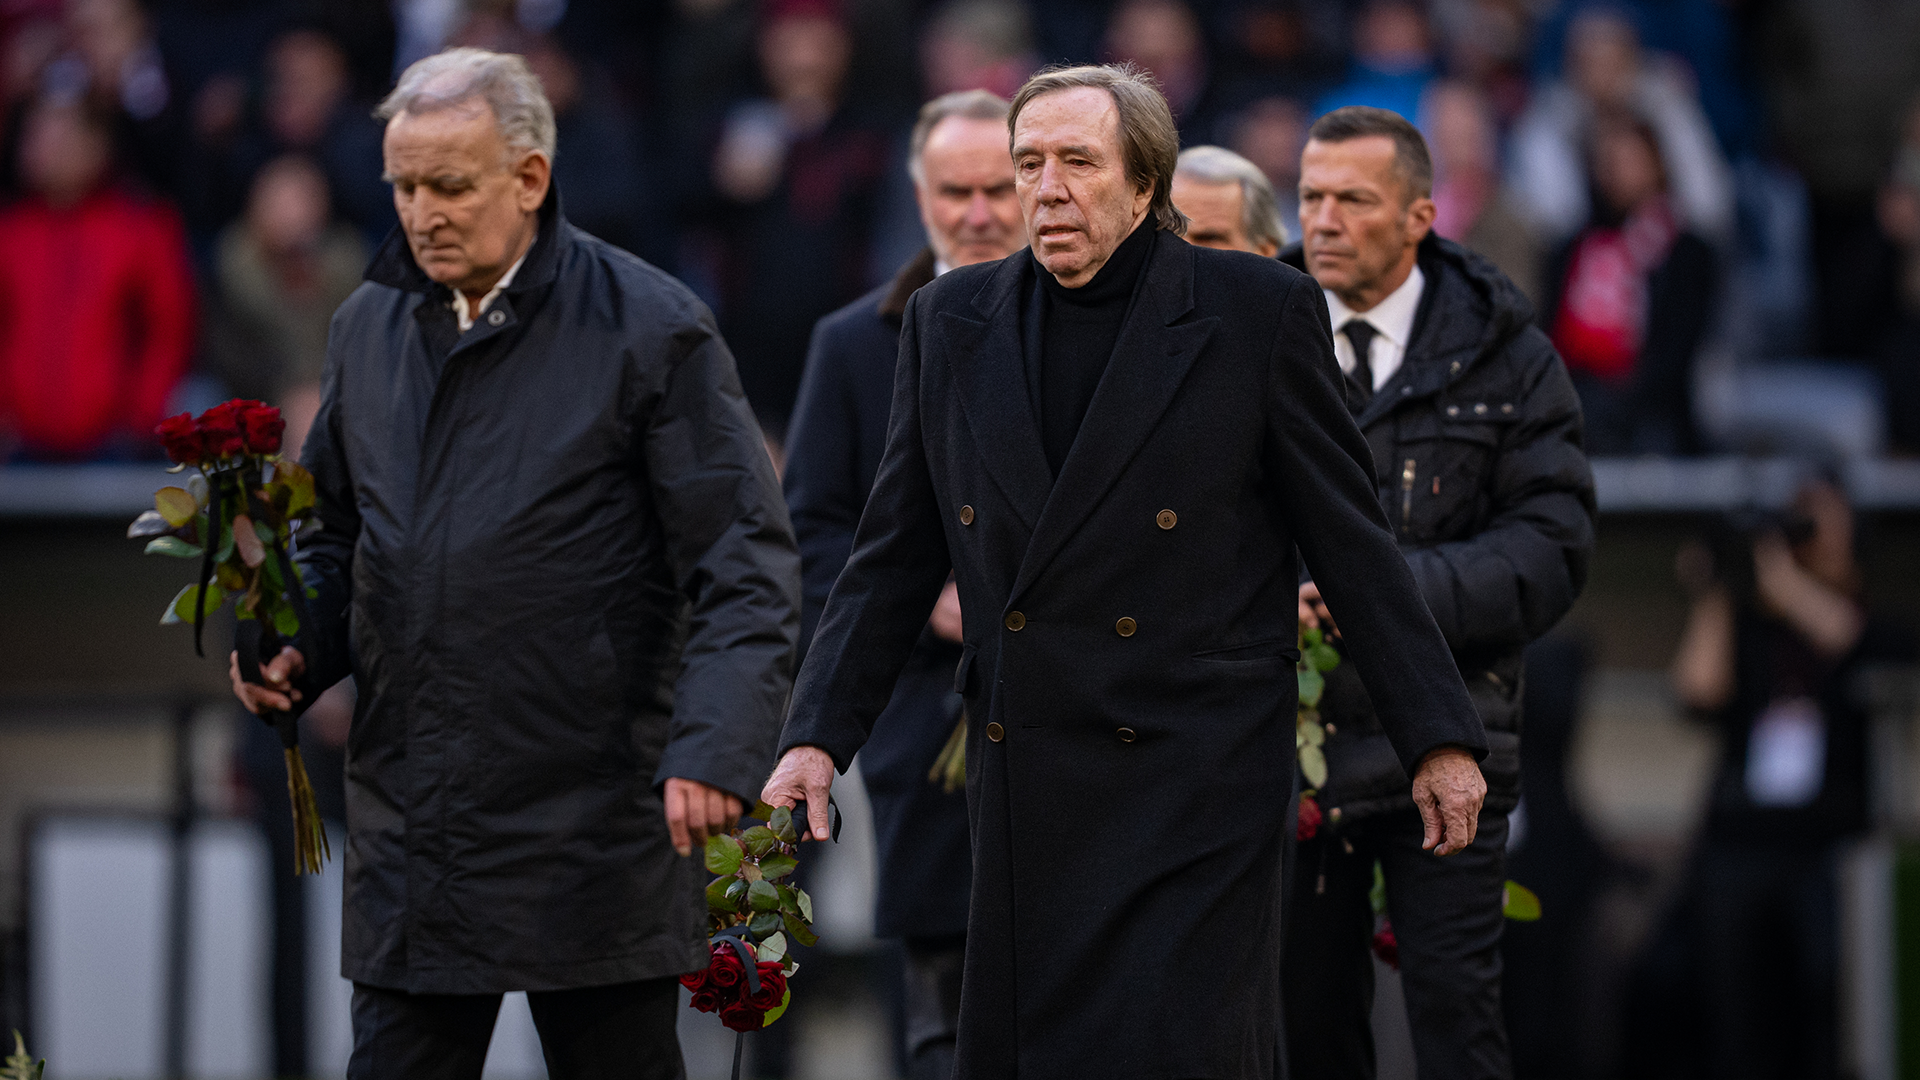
<point x="1475" y="434"/>
<point x="553" y="555"/>
<point x="1113" y="443"/>
<point x="963" y="181"/>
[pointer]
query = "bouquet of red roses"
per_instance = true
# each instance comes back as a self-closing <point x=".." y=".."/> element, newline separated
<point x="236" y="512"/>
<point x="754" y="919"/>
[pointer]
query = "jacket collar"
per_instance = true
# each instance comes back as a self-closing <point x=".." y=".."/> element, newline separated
<point x="916" y="273"/>
<point x="393" y="264"/>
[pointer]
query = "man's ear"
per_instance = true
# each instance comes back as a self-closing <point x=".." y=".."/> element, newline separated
<point x="532" y="177"/>
<point x="1420" y="218"/>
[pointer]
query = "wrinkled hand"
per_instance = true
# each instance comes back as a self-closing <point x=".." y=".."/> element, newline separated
<point x="945" y="620"/>
<point x="1314" y="613"/>
<point x="278" y="694"/>
<point x="805" y="774"/>
<point x="1449" y="789"/>
<point x="696" y="811"/>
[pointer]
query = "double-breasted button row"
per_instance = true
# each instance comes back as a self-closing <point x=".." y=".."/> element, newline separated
<point x="1166" y="519"/>
<point x="995" y="732"/>
<point x="1125" y="626"/>
<point x="966" y="515"/>
<point x="1016" y="621"/>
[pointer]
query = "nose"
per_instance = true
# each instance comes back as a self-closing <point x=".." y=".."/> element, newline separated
<point x="1322" y="218"/>
<point x="979" y="213"/>
<point x="1053" y="188"/>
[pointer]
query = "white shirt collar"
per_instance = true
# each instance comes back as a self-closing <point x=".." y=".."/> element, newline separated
<point x="940" y="267"/>
<point x="1392" y="318"/>
<point x="465" y="314"/>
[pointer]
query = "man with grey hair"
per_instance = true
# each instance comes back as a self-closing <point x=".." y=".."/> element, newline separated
<point x="553" y="554"/>
<point x="1113" y="444"/>
<point x="1228" y="201"/>
<point x="963" y="181"/>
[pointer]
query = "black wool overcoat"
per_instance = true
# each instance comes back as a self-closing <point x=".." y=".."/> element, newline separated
<point x="553" y="554"/>
<point x="1130" y="647"/>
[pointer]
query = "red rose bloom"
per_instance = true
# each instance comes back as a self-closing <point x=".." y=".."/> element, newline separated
<point x="220" y="431"/>
<point x="706" y="999"/>
<point x="1309" y="823"/>
<point x="741" y="1016"/>
<point x="773" y="987"/>
<point x="181" y="436"/>
<point x="726" y="971"/>
<point x="1387" y="947"/>
<point x="262" y="427"/>
<point x="694" y="980"/>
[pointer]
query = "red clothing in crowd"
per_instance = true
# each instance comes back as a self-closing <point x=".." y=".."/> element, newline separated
<point x="96" y="320"/>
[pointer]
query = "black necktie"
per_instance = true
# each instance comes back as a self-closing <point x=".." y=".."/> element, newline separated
<point x="1360" y="380"/>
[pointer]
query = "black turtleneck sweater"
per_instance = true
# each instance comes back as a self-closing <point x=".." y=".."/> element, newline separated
<point x="1078" y="329"/>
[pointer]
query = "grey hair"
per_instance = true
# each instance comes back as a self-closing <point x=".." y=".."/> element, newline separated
<point x="1259" y="210"/>
<point x="502" y="80"/>
<point x="970" y="104"/>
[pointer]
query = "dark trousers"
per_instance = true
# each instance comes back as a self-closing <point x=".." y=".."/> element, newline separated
<point x="930" y="997"/>
<point x="625" y="1031"/>
<point x="1446" y="914"/>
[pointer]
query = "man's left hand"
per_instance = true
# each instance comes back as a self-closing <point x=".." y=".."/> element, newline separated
<point x="1449" y="789"/>
<point x="696" y="811"/>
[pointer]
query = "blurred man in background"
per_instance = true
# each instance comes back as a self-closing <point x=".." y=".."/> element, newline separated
<point x="1228" y="202"/>
<point x="96" y="296"/>
<point x="1475" y="433"/>
<point x="963" y="179"/>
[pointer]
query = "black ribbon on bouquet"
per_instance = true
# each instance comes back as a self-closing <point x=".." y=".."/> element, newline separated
<point x="215" y="489"/>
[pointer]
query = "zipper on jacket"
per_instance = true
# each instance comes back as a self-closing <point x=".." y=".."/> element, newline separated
<point x="1406" y="495"/>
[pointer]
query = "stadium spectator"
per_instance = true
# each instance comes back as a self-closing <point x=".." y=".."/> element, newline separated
<point x="96" y="297"/>
<point x="1164" y="37"/>
<point x="1393" y="61"/>
<point x="280" y="272"/>
<point x="977" y="45"/>
<point x="1628" y="298"/>
<point x="1900" y="222"/>
<point x="1271" y="133"/>
<point x="1471" y="205"/>
<point x="1607" y="70"/>
<point x="793" y="175"/>
<point x="115" y="61"/>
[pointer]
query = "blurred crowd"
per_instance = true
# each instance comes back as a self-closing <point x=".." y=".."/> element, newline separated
<point x="1687" y="190"/>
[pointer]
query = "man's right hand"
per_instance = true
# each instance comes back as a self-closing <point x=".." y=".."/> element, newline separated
<point x="946" y="615"/>
<point x="1314" y="613"/>
<point x="278" y="673"/>
<point x="805" y="774"/>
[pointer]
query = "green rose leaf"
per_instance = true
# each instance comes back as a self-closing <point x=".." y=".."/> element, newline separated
<point x="779" y="1010"/>
<point x="723" y="855"/>
<point x="149" y="523"/>
<point x="1312" y="685"/>
<point x="717" y="898"/>
<point x="175" y="547"/>
<point x="1322" y="657"/>
<point x="1520" y="903"/>
<point x="774" y="948"/>
<point x="176" y="505"/>
<point x="286" y="621"/>
<point x="775" y="867"/>
<point x="761" y="810"/>
<point x="798" y="928"/>
<point x="804" y="902"/>
<point x="737" y="892"/>
<point x="763" y="925"/>
<point x="758" y="840"/>
<point x="298" y="483"/>
<point x="1310" y="636"/>
<point x="762" y="896"/>
<point x="1377" y="896"/>
<point x="1313" y="763"/>
<point x="781" y="822"/>
<point x="181" y="610"/>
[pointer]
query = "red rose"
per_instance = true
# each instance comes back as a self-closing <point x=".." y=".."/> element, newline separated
<point x="181" y="436"/>
<point x="262" y="426"/>
<point x="694" y="980"/>
<point x="1309" y="823"/>
<point x="220" y="431"/>
<point x="741" y="1016"/>
<point x="706" y="999"/>
<point x="1387" y="947"/>
<point x="726" y="971"/>
<point x="773" y="986"/>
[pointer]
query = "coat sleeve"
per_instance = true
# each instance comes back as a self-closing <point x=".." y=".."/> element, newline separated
<point x="878" y="606"/>
<point x="825" y="492"/>
<point x="732" y="553"/>
<point x="1322" y="474"/>
<point x="325" y="549"/>
<point x="1498" y="590"/>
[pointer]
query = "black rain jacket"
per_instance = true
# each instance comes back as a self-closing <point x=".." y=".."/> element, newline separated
<point x="553" y="554"/>
<point x="1476" y="447"/>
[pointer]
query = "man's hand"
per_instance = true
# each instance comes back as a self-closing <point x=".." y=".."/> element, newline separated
<point x="1449" y="789"/>
<point x="278" y="673"/>
<point x="946" y="614"/>
<point x="805" y="774"/>
<point x="1314" y="613"/>
<point x="696" y="811"/>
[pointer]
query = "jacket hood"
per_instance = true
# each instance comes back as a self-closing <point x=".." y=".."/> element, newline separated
<point x="393" y="263"/>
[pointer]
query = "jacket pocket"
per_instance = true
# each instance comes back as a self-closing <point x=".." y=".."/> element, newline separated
<point x="1440" y="475"/>
<point x="1272" y="649"/>
<point x="963" y="672"/>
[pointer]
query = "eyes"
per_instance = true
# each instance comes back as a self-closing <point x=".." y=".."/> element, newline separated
<point x="446" y="187"/>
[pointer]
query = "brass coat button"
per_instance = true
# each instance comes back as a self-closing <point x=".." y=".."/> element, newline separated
<point x="1125" y="627"/>
<point x="1166" y="519"/>
<point x="1016" y="621"/>
<point x="995" y="732"/>
<point x="966" y="515"/>
<point x="1126" y="734"/>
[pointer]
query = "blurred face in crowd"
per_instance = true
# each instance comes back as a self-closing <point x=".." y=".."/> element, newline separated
<point x="307" y="79"/>
<point x="1164" y="37"/>
<point x="1270" y="134"/>
<point x="287" y="208"/>
<point x="1070" y="171"/>
<point x="965" y="190"/>
<point x="1392" y="35"/>
<point x="1463" y="143"/>
<point x="1603" y="57"/>
<point x="467" y="201"/>
<point x="1216" y="214"/>
<point x="1626" y="167"/>
<point x="63" y="154"/>
<point x="1360" y="220"/>
<point x="804" y="58"/>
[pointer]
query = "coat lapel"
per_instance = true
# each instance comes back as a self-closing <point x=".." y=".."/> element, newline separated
<point x="990" y="374"/>
<point x="1150" y="361"/>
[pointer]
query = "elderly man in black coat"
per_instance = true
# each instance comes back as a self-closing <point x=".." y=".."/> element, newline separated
<point x="1474" y="430"/>
<point x="552" y="553"/>
<point x="963" y="181"/>
<point x="1114" y="443"/>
